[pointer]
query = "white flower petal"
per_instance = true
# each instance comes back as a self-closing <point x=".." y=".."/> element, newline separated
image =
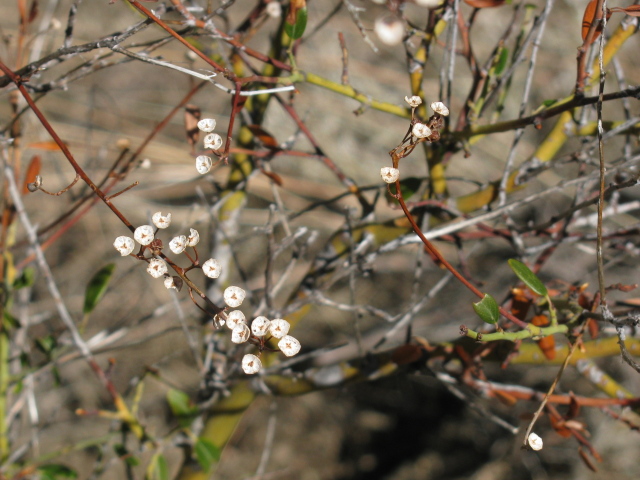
<point x="203" y="164"/>
<point x="233" y="296"/>
<point x="279" y="327"/>
<point x="240" y="334"/>
<point x="251" y="364"/>
<point x="414" y="101"/>
<point x="440" y="108"/>
<point x="213" y="141"/>
<point x="211" y="268"/>
<point x="157" y="267"/>
<point x="178" y="244"/>
<point x="170" y="283"/>
<point x="161" y="221"/>
<point x="390" y="30"/>
<point x="260" y="326"/>
<point x="389" y="174"/>
<point x="124" y="245"/>
<point x="207" y="125"/>
<point x="289" y="345"/>
<point x="235" y="318"/>
<point x="420" y="130"/>
<point x="144" y="234"/>
<point x="535" y="442"/>
<point x="193" y="238"/>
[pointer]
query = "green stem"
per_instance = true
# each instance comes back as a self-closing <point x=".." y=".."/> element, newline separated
<point x="531" y="331"/>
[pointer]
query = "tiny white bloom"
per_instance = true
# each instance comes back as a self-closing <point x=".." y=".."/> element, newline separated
<point x="193" y="238"/>
<point x="274" y="9"/>
<point x="260" y="326"/>
<point x="207" y="125"/>
<point x="211" y="268"/>
<point x="389" y="174"/>
<point x="178" y="244"/>
<point x="213" y="141"/>
<point x="235" y="318"/>
<point x="157" y="267"/>
<point x="250" y="363"/>
<point x="279" y="327"/>
<point x="169" y="283"/>
<point x="428" y="3"/>
<point x="146" y="163"/>
<point x="390" y="30"/>
<point x="203" y="164"/>
<point x="420" y="130"/>
<point x="124" y="245"/>
<point x="534" y="441"/>
<point x="240" y="334"/>
<point x="440" y="108"/>
<point x="233" y="296"/>
<point x="289" y="345"/>
<point x="414" y="101"/>
<point x="161" y="221"/>
<point x="144" y="234"/>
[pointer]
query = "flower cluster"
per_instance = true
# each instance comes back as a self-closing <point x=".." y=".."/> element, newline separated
<point x="212" y="141"/>
<point x="261" y="330"/>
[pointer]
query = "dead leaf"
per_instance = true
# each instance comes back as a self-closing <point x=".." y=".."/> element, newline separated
<point x="32" y="171"/>
<point x="485" y="3"/>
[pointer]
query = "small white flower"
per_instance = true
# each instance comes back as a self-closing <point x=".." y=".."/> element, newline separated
<point x="233" y="296"/>
<point x="440" y="108"/>
<point x="193" y="238"/>
<point x="235" y="318"/>
<point x="213" y="141"/>
<point x="279" y="327"/>
<point x="169" y="283"/>
<point x="250" y="363"/>
<point x="390" y="30"/>
<point x="144" y="234"/>
<point x="289" y="345"/>
<point x="389" y="174"/>
<point x="534" y="441"/>
<point x="178" y="244"/>
<point x="203" y="164"/>
<point x="274" y="9"/>
<point x="414" y="101"/>
<point x="420" y="130"/>
<point x="157" y="268"/>
<point x="260" y="326"/>
<point x="207" y="125"/>
<point x="124" y="245"/>
<point x="211" y="268"/>
<point x="161" y="221"/>
<point x="428" y="3"/>
<point x="240" y="334"/>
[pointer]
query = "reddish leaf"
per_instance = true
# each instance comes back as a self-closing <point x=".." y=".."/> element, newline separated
<point x="265" y="137"/>
<point x="593" y="327"/>
<point x="406" y="354"/>
<point x="32" y="171"/>
<point x="485" y="3"/>
<point x="520" y="303"/>
<point x="504" y="397"/>
<point x="191" y="116"/>
<point x="273" y="176"/>
<point x="33" y="11"/>
<point x="558" y="426"/>
<point x="592" y="14"/>
<point x="546" y="344"/>
<point x="574" y="408"/>
<point x="46" y="145"/>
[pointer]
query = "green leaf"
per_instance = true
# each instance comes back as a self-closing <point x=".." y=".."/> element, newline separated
<point x="25" y="279"/>
<point x="487" y="309"/>
<point x="46" y="344"/>
<point x="528" y="277"/>
<point x="97" y="287"/>
<point x="10" y="321"/>
<point x="53" y="472"/>
<point x="206" y="453"/>
<point x="409" y="186"/>
<point x="158" y="468"/>
<point x="181" y="406"/>
<point x="502" y="61"/>
<point x="296" y="29"/>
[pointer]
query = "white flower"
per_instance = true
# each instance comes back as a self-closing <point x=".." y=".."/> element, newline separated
<point x="420" y="130"/>
<point x="193" y="238"/>
<point x="250" y="363"/>
<point x="207" y="125"/>
<point x="260" y="326"/>
<point x="213" y="141"/>
<point x="235" y="318"/>
<point x="240" y="334"/>
<point x="160" y="221"/>
<point x="124" y="245"/>
<point x="157" y="268"/>
<point x="389" y="174"/>
<point x="144" y="234"/>
<point x="169" y="283"/>
<point x="414" y="101"/>
<point x="534" y="441"/>
<point x="211" y="268"/>
<point x="274" y="9"/>
<point x="390" y="30"/>
<point x="233" y="296"/>
<point x="428" y="3"/>
<point x="279" y="327"/>
<point x="289" y="345"/>
<point x="440" y="108"/>
<point x="203" y="164"/>
<point x="178" y="244"/>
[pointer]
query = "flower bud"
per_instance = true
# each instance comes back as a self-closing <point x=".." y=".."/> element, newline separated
<point x="260" y="326"/>
<point x="250" y="363"/>
<point x="207" y="125"/>
<point x="211" y="268"/>
<point x="420" y="130"/>
<point x="178" y="244"/>
<point x="157" y="267"/>
<point x="203" y="164"/>
<point x="240" y="334"/>
<point x="233" y="296"/>
<point x="535" y="442"/>
<point x="390" y="30"/>
<point x="440" y="108"/>
<point x="279" y="327"/>
<point x="213" y="141"/>
<point x="193" y="238"/>
<point x="124" y="245"/>
<point x="161" y="221"/>
<point x="235" y="318"/>
<point x="144" y="234"/>
<point x="414" y="101"/>
<point x="389" y="174"/>
<point x="289" y="345"/>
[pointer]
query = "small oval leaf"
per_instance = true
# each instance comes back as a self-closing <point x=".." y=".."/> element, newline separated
<point x="529" y="278"/>
<point x="97" y="287"/>
<point x="158" y="468"/>
<point x="487" y="309"/>
<point x="206" y="453"/>
<point x="296" y="27"/>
